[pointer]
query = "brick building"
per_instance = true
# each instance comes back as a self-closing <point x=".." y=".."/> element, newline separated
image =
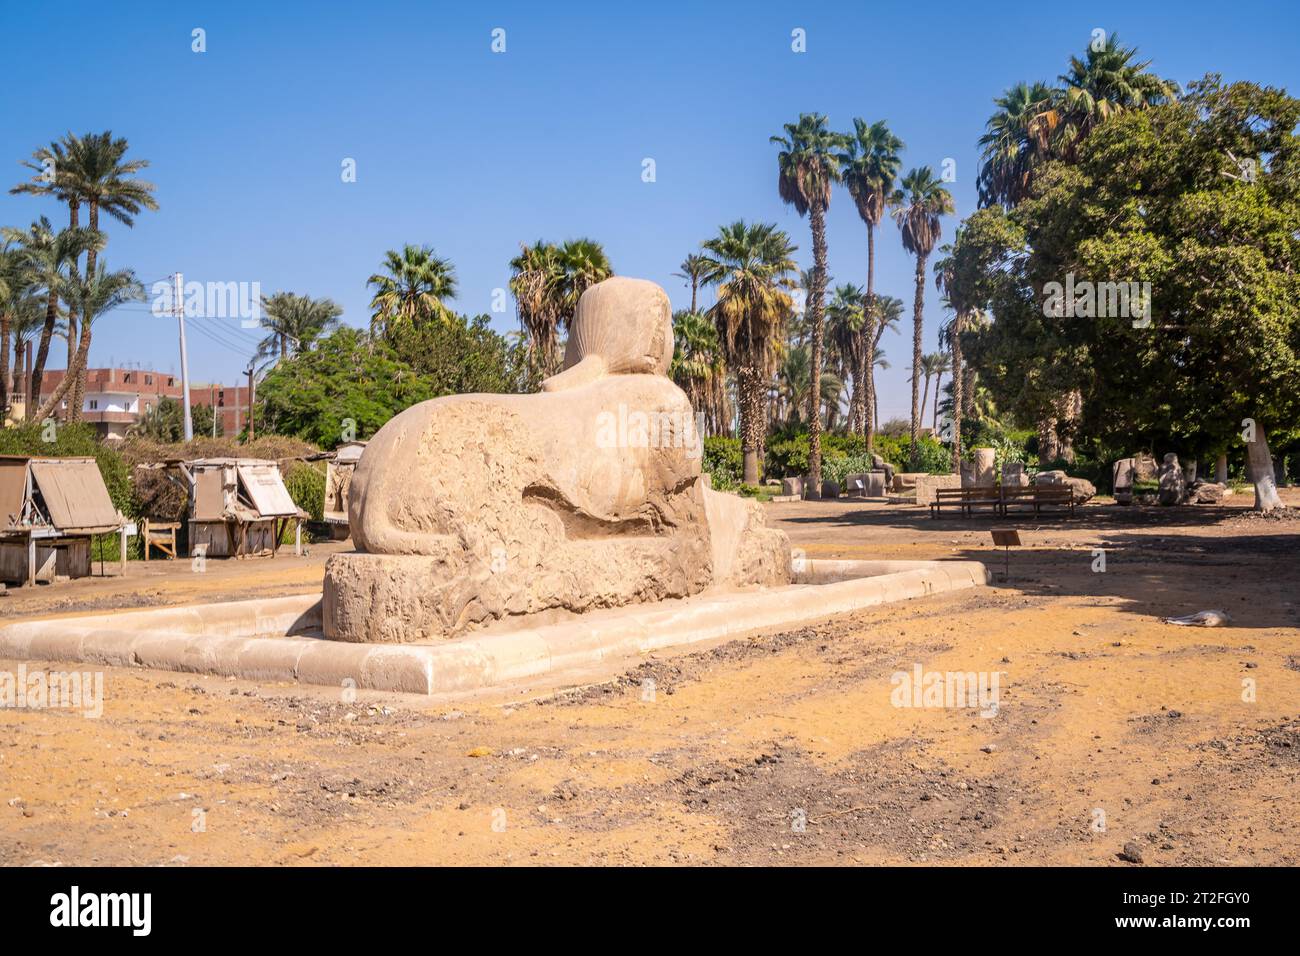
<point x="117" y="398"/>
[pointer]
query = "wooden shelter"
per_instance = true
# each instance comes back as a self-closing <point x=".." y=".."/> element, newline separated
<point x="50" y="508"/>
<point x="237" y="506"/>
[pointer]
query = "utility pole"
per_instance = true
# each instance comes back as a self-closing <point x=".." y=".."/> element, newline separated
<point x="251" y="386"/>
<point x="178" y="306"/>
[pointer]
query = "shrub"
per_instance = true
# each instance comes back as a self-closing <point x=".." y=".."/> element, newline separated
<point x="723" y="462"/>
<point x="305" y="482"/>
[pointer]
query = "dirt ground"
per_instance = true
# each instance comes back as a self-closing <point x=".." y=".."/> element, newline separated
<point x="1112" y="727"/>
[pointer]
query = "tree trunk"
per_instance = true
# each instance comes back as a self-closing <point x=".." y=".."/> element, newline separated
<point x="1259" y="468"/>
<point x="870" y="334"/>
<point x="695" y="286"/>
<point x="958" y="394"/>
<point x="42" y="353"/>
<point x="938" y="387"/>
<point x="925" y="400"/>
<point x="1221" y="470"/>
<point x="818" y="215"/>
<point x="75" y="366"/>
<point x="92" y="257"/>
<point x="5" y="322"/>
<point x="749" y="386"/>
<point x="918" y="310"/>
<point x="1048" y="447"/>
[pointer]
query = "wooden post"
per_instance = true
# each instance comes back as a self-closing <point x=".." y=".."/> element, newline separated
<point x="145" y="528"/>
<point x="31" y="559"/>
<point x="123" y="557"/>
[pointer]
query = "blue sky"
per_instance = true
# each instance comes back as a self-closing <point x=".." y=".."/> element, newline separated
<point x="473" y="152"/>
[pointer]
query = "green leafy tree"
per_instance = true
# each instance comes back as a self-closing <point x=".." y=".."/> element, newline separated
<point x="294" y="322"/>
<point x="165" y="422"/>
<point x="347" y="376"/>
<point x="1200" y="199"/>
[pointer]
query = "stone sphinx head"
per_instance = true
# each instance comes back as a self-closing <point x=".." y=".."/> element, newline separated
<point x="473" y="508"/>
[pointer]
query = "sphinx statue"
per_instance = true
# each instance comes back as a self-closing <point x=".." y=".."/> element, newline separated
<point x="468" y="510"/>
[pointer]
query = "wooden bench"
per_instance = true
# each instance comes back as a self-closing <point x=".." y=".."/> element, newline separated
<point x="965" y="500"/>
<point x="160" y="535"/>
<point x="1038" y="497"/>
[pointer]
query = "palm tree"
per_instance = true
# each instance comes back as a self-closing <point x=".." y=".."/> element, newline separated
<point x="547" y="283"/>
<point x="94" y="169"/>
<point x="28" y="318"/>
<point x="92" y="296"/>
<point x="847" y="333"/>
<point x="52" y="258"/>
<point x="534" y="285"/>
<point x="959" y="297"/>
<point x="295" y="322"/>
<point x="869" y="166"/>
<point x="807" y="169"/>
<point x="794" y="377"/>
<point x="1103" y="84"/>
<point x="934" y="365"/>
<point x="925" y="201"/>
<point x="880" y="362"/>
<point x="699" y="370"/>
<point x="413" y="288"/>
<point x="15" y="283"/>
<point x="1016" y="142"/>
<point x="752" y="265"/>
<point x="694" y="267"/>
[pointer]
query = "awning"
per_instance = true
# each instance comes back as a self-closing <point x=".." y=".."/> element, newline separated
<point x="267" y="491"/>
<point x="74" y="494"/>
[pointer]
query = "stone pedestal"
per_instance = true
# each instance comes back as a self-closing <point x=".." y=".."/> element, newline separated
<point x="1173" y="484"/>
<point x="1013" y="475"/>
<point x="985" y="465"/>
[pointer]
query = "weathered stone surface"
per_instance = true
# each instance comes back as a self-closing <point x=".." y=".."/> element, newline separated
<point x="985" y="468"/>
<point x="792" y="486"/>
<point x="927" y="485"/>
<point x="1145" y="467"/>
<point x="1208" y="493"/>
<point x="904" y="482"/>
<point x="1013" y="474"/>
<point x="830" y="489"/>
<point x="471" y="508"/>
<point x="872" y="484"/>
<point x="1121" y="479"/>
<point x="1083" y="488"/>
<point x="1173" y="483"/>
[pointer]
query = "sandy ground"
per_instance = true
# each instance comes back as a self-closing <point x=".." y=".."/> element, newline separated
<point x="1112" y="727"/>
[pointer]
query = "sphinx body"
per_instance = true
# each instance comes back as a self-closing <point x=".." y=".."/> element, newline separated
<point x="474" y="508"/>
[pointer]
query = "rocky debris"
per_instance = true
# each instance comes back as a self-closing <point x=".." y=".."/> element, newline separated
<point x="1132" y="853"/>
<point x="1208" y="493"/>
<point x="1082" y="487"/>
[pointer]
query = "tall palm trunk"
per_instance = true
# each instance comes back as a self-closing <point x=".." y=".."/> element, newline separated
<point x="818" y="215"/>
<point x="695" y="288"/>
<point x="5" y="324"/>
<point x="938" y="387"/>
<point x="749" y="395"/>
<point x="918" y="311"/>
<point x="869" y="331"/>
<point x="925" y="400"/>
<point x="42" y="353"/>
<point x="75" y="366"/>
<point x="958" y="396"/>
<point x="79" y="389"/>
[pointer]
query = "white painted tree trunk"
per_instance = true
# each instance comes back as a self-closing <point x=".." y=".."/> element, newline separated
<point x="1259" y="467"/>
